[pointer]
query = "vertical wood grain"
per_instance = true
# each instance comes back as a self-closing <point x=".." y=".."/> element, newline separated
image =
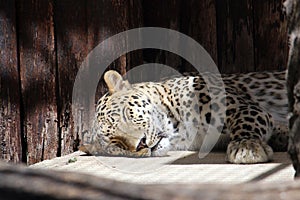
<point x="135" y="20"/>
<point x="165" y="14"/>
<point x="198" y="20"/>
<point x="270" y="35"/>
<point x="105" y="19"/>
<point x="37" y="71"/>
<point x="10" y="124"/>
<point x="71" y="39"/>
<point x="235" y="36"/>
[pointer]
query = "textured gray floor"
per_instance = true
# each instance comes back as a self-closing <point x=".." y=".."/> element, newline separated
<point x="178" y="167"/>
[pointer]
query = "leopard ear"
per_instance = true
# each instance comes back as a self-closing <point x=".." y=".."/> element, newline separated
<point x="115" y="82"/>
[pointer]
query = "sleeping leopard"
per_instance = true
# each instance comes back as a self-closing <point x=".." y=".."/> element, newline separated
<point x="153" y="118"/>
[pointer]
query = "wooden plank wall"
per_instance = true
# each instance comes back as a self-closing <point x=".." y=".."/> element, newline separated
<point x="43" y="43"/>
<point x="37" y="73"/>
<point x="11" y="136"/>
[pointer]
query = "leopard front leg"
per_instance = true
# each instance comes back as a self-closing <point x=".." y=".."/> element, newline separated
<point x="250" y="128"/>
<point x="248" y="151"/>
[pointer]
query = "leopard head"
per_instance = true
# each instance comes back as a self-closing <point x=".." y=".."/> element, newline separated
<point x="128" y="122"/>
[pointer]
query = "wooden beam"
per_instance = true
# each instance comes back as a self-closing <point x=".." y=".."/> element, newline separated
<point x="46" y="184"/>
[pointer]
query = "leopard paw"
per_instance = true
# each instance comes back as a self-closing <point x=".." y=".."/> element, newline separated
<point x="248" y="151"/>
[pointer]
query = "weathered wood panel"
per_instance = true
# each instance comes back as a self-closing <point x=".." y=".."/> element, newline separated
<point x="165" y="14"/>
<point x="235" y="35"/>
<point x="71" y="36"/>
<point x="38" y="70"/>
<point x="103" y="23"/>
<point x="270" y="35"/>
<point x="10" y="124"/>
<point x="105" y="19"/>
<point x="198" y="20"/>
<point x="135" y="20"/>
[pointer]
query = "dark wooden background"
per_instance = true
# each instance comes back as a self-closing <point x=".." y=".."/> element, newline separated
<point x="42" y="45"/>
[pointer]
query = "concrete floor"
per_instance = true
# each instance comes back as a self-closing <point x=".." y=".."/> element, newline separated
<point x="178" y="167"/>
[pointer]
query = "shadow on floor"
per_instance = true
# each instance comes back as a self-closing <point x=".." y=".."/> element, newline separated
<point x="269" y="172"/>
<point x="211" y="158"/>
<point x="219" y="158"/>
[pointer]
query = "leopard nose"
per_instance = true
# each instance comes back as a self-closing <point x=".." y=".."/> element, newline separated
<point x="142" y="144"/>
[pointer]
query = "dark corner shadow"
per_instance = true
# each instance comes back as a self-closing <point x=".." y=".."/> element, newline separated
<point x="211" y="158"/>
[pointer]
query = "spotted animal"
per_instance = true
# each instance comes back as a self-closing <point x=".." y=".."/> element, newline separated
<point x="242" y="112"/>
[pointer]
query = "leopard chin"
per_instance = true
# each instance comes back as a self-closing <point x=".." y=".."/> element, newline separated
<point x="154" y="148"/>
<point x="161" y="148"/>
